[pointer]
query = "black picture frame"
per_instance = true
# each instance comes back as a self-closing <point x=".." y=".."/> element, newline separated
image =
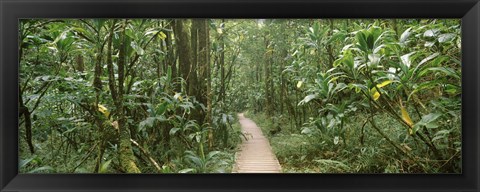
<point x="12" y="10"/>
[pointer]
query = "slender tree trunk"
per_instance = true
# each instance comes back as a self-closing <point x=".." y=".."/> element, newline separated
<point x="204" y="73"/>
<point x="23" y="110"/>
<point x="331" y="57"/>
<point x="127" y="159"/>
<point x="194" y="88"/>
<point x="222" y="64"/>
<point x="111" y="85"/>
<point x="170" y="53"/>
<point x="267" y="76"/>
<point x="183" y="50"/>
<point x="97" y="84"/>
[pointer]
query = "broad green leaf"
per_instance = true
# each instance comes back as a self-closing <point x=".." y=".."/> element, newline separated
<point x="40" y="169"/>
<point x="98" y="23"/>
<point x="453" y="89"/>
<point x="137" y="48"/>
<point x="370" y="41"/>
<point x="212" y="154"/>
<point x="446" y="37"/>
<point x="307" y="99"/>
<point x="447" y="71"/>
<point x="406" y="60"/>
<point x="306" y="131"/>
<point x="430" y="117"/>
<point x="430" y="57"/>
<point x="24" y="162"/>
<point x="104" y="167"/>
<point x="375" y="32"/>
<point x="174" y="130"/>
<point x="424" y="86"/>
<point x="429" y="44"/>
<point x="178" y="96"/>
<point x="347" y="59"/>
<point x="432" y="125"/>
<point x="374" y="59"/>
<point x="362" y="40"/>
<point x="147" y="123"/>
<point x="338" y="35"/>
<point x="162" y="108"/>
<point x="151" y="32"/>
<point x="405" y="35"/>
<point x="189" y="170"/>
<point x="430" y="33"/>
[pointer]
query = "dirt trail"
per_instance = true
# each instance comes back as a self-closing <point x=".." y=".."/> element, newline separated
<point x="255" y="155"/>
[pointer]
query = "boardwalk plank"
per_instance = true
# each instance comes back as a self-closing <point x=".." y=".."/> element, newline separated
<point x="255" y="155"/>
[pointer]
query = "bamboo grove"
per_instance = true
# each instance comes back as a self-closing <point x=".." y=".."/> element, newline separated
<point x="162" y="95"/>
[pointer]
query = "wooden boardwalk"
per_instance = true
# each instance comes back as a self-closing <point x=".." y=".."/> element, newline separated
<point x="255" y="155"/>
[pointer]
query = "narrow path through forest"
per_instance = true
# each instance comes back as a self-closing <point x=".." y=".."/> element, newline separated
<point x="255" y="155"/>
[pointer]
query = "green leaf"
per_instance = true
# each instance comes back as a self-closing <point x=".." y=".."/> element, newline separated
<point x="430" y="57"/>
<point x="212" y="154"/>
<point x="447" y="71"/>
<point x="137" y="48"/>
<point x="430" y="33"/>
<point x="347" y="59"/>
<point x="40" y="169"/>
<point x="424" y="86"/>
<point x="98" y="23"/>
<point x="405" y="35"/>
<point x="104" y="167"/>
<point x="429" y="43"/>
<point x="162" y="108"/>
<point x="306" y="131"/>
<point x="406" y="60"/>
<point x="198" y="138"/>
<point x="147" y="123"/>
<point x="452" y="89"/>
<point x="430" y="117"/>
<point x="188" y="170"/>
<point x="429" y="121"/>
<point x="446" y="37"/>
<point x="338" y="35"/>
<point x="432" y="125"/>
<point x="307" y="99"/>
<point x="174" y="130"/>
<point x="375" y="32"/>
<point x="24" y="162"/>
<point x="374" y="59"/>
<point x="151" y="32"/>
<point x="362" y="40"/>
<point x="370" y="41"/>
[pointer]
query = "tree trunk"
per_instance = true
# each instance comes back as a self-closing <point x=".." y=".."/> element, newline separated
<point x="183" y="50"/>
<point x="127" y="159"/>
<point x="222" y="65"/>
<point x="170" y="53"/>
<point x="204" y="72"/>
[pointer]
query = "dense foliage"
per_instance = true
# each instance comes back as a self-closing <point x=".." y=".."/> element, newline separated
<point x="161" y="95"/>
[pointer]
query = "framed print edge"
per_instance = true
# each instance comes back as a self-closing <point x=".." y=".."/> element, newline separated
<point x="11" y="11"/>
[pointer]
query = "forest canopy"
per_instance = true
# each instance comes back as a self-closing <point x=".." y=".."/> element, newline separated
<point x="162" y="95"/>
